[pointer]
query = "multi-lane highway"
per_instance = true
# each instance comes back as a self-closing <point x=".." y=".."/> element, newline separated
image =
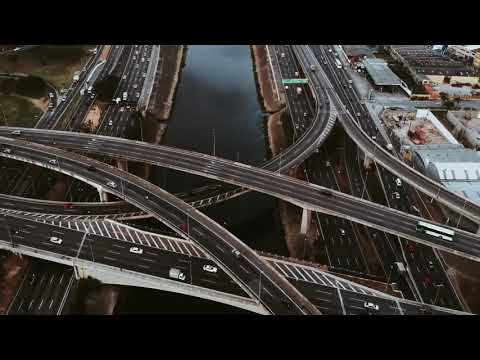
<point x="295" y="191"/>
<point x="330" y="294"/>
<point x="424" y="268"/>
<point x="422" y="183"/>
<point x="252" y="273"/>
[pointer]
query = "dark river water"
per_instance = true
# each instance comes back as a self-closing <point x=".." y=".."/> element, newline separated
<point x="216" y="97"/>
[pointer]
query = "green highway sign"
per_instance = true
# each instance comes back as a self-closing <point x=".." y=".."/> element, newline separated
<point x="295" y="81"/>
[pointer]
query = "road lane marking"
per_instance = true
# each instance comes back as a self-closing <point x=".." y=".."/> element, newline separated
<point x="109" y="258"/>
<point x="113" y="252"/>
<point x="106" y="229"/>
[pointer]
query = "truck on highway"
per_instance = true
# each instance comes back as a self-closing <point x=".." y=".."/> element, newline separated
<point x="82" y="91"/>
<point x="76" y="76"/>
<point x="389" y="147"/>
<point x="338" y="63"/>
<point x="124" y="96"/>
<point x="299" y="90"/>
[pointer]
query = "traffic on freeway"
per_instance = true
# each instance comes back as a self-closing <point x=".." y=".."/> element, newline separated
<point x="359" y="206"/>
<point x="298" y="192"/>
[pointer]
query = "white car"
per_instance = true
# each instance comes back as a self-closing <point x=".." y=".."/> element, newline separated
<point x="52" y="161"/>
<point x="236" y="253"/>
<point x="7" y="151"/>
<point x="110" y="122"/>
<point x="397" y="195"/>
<point x="342" y="232"/>
<point x="124" y="77"/>
<point x="122" y="109"/>
<point x="210" y="268"/>
<point x="136" y="250"/>
<point x="112" y="184"/>
<point x="56" y="240"/>
<point x="371" y="306"/>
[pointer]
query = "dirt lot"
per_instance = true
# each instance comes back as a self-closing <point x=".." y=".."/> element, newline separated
<point x="265" y="80"/>
<point x="20" y="111"/>
<point x="53" y="63"/>
<point x="11" y="274"/>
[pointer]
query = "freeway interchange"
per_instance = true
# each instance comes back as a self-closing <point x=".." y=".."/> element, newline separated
<point x="251" y="273"/>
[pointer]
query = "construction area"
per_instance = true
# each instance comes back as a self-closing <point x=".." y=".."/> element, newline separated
<point x="419" y="127"/>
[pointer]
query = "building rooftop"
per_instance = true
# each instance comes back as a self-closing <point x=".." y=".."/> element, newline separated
<point x="456" y="167"/>
<point x="357" y="50"/>
<point x="381" y="73"/>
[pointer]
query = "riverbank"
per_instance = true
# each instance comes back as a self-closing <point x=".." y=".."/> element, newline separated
<point x="272" y="99"/>
<point x="155" y="123"/>
<point x="300" y="246"/>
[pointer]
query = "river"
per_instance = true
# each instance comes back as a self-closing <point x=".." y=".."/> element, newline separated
<point x="216" y="100"/>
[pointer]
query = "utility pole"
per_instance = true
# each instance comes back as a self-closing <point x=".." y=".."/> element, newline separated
<point x="213" y="142"/>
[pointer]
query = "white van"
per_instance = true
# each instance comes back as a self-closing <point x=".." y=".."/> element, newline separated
<point x="398" y="182"/>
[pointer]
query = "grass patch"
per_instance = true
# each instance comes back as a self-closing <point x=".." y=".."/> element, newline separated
<point x="18" y="111"/>
<point x="52" y="63"/>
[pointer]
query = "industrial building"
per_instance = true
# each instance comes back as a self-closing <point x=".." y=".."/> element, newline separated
<point x="434" y="151"/>
<point x="457" y="168"/>
<point x="382" y="77"/>
<point x="466" y="124"/>
<point x="476" y="59"/>
<point x="430" y="67"/>
<point x="356" y="53"/>
<point x="462" y="51"/>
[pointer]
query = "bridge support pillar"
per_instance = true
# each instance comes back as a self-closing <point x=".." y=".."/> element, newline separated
<point x="79" y="273"/>
<point x="122" y="165"/>
<point x="367" y="161"/>
<point x="103" y="195"/>
<point x="306" y="220"/>
<point x="478" y="230"/>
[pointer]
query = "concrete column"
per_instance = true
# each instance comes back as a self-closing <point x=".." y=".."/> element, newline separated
<point x="103" y="195"/>
<point x="306" y="220"/>
<point x="478" y="230"/>
<point x="122" y="165"/>
<point x="76" y="273"/>
<point x="367" y="162"/>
